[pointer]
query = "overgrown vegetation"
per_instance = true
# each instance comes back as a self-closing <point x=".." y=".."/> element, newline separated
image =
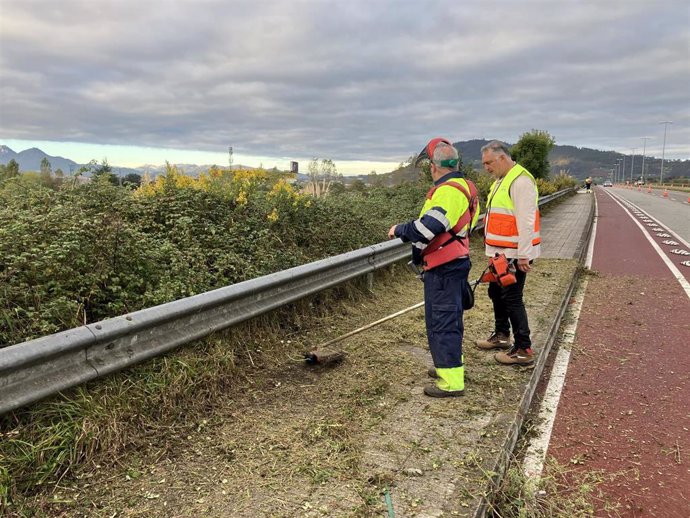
<point x="83" y="253"/>
<point x="73" y="253"/>
<point x="560" y="493"/>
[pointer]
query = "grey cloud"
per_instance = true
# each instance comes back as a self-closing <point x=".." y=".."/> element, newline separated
<point x="346" y="80"/>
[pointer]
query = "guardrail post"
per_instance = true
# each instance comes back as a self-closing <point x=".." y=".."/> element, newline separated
<point x="370" y="281"/>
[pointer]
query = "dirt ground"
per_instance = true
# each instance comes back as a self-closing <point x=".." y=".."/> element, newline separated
<point x="336" y="441"/>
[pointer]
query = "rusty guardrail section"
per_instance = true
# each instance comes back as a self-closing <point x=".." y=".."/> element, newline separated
<point x="32" y="370"/>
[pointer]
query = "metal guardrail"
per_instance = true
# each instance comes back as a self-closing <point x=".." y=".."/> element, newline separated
<point x="32" y="370"/>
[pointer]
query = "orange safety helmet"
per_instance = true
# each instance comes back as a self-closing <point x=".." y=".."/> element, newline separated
<point x="427" y="153"/>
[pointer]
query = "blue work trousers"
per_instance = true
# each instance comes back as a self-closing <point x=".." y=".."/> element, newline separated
<point x="443" y="288"/>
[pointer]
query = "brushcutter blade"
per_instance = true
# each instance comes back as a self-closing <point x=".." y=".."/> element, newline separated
<point x="323" y="356"/>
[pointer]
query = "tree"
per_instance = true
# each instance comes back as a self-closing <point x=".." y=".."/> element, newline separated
<point x="532" y="152"/>
<point x="337" y="188"/>
<point x="375" y="180"/>
<point x="132" y="180"/>
<point x="425" y="173"/>
<point x="103" y="171"/>
<point x="46" y="172"/>
<point x="11" y="170"/>
<point x="46" y="168"/>
<point x="321" y="176"/>
<point x="59" y="177"/>
<point x="358" y="185"/>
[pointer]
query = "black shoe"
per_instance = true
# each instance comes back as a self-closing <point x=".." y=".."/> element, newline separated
<point x="434" y="391"/>
<point x="432" y="372"/>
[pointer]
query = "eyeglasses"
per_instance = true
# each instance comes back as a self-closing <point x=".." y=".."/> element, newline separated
<point x="489" y="162"/>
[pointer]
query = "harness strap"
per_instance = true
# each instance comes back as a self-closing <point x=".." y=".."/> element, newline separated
<point x="464" y="219"/>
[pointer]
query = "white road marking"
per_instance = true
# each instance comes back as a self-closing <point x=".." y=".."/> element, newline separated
<point x="590" y="248"/>
<point x="533" y="464"/>
<point x="656" y="221"/>
<point x="675" y="271"/>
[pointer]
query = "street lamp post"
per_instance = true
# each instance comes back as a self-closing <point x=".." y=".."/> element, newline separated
<point x="632" y="164"/>
<point x="644" y="149"/>
<point x="618" y="169"/>
<point x="663" y="150"/>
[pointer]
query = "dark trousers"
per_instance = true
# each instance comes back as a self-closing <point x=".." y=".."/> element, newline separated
<point x="509" y="310"/>
<point x="443" y="288"/>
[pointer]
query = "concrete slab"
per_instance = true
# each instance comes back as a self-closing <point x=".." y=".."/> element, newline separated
<point x="563" y="226"/>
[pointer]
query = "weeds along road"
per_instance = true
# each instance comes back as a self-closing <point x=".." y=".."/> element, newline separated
<point x="624" y="406"/>
<point x="279" y="438"/>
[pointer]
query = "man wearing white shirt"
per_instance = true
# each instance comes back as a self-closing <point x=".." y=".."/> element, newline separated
<point x="512" y="227"/>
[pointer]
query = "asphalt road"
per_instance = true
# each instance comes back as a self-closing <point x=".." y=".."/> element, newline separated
<point x="674" y="211"/>
<point x="623" y="410"/>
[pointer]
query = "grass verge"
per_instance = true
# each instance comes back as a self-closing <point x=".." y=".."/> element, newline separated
<point x="235" y="425"/>
<point x="560" y="493"/>
<point x="151" y="405"/>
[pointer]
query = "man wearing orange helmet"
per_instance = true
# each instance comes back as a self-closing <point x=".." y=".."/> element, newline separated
<point x="440" y="239"/>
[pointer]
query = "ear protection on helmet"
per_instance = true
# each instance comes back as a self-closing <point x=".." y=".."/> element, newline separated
<point x="427" y="153"/>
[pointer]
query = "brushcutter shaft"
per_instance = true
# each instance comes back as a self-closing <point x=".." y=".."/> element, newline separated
<point x="368" y="326"/>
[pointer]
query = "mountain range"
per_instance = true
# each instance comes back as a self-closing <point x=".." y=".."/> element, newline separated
<point x="575" y="161"/>
<point x="30" y="160"/>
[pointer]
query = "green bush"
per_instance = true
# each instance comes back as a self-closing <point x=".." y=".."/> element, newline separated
<point x="85" y="253"/>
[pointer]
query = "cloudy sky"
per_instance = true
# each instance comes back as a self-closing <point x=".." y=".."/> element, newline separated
<point x="365" y="83"/>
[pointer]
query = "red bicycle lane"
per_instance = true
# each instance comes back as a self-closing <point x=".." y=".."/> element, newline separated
<point x="625" y="405"/>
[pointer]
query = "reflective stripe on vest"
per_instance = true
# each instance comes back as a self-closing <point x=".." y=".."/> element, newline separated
<point x="446" y="246"/>
<point x="500" y="226"/>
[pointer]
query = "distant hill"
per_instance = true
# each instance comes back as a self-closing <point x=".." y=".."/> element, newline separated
<point x="575" y="161"/>
<point x="30" y="160"/>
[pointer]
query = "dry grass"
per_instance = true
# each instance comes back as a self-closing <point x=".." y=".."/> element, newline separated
<point x="239" y="426"/>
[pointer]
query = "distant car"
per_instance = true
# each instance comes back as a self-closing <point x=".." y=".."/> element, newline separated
<point x="608" y="183"/>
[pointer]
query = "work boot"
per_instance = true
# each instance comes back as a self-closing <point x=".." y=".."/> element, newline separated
<point x="515" y="356"/>
<point x="497" y="340"/>
<point x="434" y="391"/>
<point x="432" y="372"/>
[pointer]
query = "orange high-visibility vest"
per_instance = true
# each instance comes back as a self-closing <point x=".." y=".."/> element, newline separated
<point x="500" y="226"/>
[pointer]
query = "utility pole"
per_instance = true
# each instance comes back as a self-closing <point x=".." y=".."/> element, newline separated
<point x="644" y="149"/>
<point x="663" y="150"/>
<point x="632" y="164"/>
<point x="230" y="157"/>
